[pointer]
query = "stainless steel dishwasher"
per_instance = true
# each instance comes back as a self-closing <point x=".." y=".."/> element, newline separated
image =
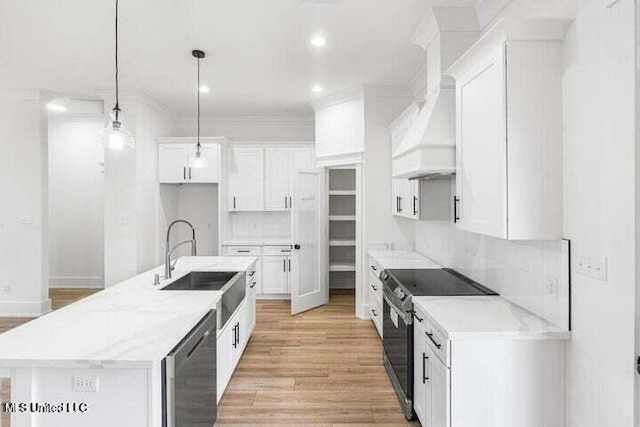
<point x="189" y="378"/>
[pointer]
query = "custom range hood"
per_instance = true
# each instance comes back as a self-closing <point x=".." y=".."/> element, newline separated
<point x="428" y="146"/>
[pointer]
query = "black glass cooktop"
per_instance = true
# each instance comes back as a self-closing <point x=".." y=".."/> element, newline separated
<point x="435" y="282"/>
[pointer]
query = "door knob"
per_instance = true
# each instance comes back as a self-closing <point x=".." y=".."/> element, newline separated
<point x="296" y="246"/>
<point x="638" y="366"/>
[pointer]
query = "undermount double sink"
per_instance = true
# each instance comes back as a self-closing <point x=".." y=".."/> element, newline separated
<point x="231" y="284"/>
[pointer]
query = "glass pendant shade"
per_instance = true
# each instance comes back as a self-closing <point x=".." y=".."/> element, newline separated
<point x="117" y="137"/>
<point x="198" y="161"/>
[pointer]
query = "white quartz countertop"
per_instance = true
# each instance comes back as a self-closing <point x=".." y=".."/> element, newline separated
<point x="132" y="324"/>
<point x="402" y="259"/>
<point x="486" y="317"/>
<point x="256" y="241"/>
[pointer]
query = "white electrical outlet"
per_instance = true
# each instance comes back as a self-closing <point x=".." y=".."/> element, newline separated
<point x="85" y="383"/>
<point x="551" y="286"/>
<point x="6" y="288"/>
<point x="592" y="266"/>
<point x="121" y="219"/>
<point x="26" y="220"/>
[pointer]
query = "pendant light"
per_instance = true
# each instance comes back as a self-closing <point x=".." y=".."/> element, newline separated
<point x="198" y="161"/>
<point x="117" y="137"/>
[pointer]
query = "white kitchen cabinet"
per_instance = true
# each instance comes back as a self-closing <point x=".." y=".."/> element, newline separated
<point x="282" y="165"/>
<point x="509" y="132"/>
<point x="375" y="295"/>
<point x="173" y="163"/>
<point x="232" y="341"/>
<point x="406" y="198"/>
<point x="275" y="274"/>
<point x="278" y="179"/>
<point x="246" y="177"/>
<point x="252" y="289"/>
<point x="486" y="373"/>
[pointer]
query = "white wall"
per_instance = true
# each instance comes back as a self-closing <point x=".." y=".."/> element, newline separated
<point x="23" y="206"/>
<point x="252" y="127"/>
<point x="132" y="213"/>
<point x="599" y="217"/>
<point x="76" y="243"/>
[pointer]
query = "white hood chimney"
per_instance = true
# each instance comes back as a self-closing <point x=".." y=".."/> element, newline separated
<point x="428" y="147"/>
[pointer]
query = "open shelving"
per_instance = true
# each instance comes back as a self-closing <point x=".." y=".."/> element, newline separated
<point x="342" y="228"/>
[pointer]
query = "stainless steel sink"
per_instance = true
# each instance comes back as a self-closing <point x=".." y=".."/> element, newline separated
<point x="231" y="284"/>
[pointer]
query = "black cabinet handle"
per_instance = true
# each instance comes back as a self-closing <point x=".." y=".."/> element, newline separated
<point x="415" y="200"/>
<point x="373" y="267"/>
<point x="374" y="288"/>
<point x="252" y="273"/>
<point x="234" y="202"/>
<point x="243" y="252"/>
<point x="252" y="285"/>
<point x="415" y="316"/>
<point x="424" y="368"/>
<point x="456" y="218"/>
<point x="296" y="246"/>
<point x="399" y="204"/>
<point x="285" y="202"/>
<point x="638" y="367"/>
<point x="373" y="311"/>
<point x="289" y="265"/>
<point x="430" y="335"/>
<point x="235" y="343"/>
<point x="189" y="172"/>
<point x="290" y="202"/>
<point x="184" y="173"/>
<point x="284" y="265"/>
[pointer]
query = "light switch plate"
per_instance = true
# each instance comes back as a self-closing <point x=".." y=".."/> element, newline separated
<point x="592" y="266"/>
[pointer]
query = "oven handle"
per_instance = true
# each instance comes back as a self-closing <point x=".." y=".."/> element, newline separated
<point x="406" y="317"/>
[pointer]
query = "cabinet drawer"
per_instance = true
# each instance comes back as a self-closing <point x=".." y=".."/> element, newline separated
<point x="375" y="286"/>
<point x="277" y="250"/>
<point x="376" y="317"/>
<point x="436" y="340"/>
<point x="243" y="250"/>
<point x="374" y="267"/>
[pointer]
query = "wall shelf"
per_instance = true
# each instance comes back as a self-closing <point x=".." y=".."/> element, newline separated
<point x="342" y="218"/>
<point x="342" y="193"/>
<point x="342" y="267"/>
<point x="340" y="242"/>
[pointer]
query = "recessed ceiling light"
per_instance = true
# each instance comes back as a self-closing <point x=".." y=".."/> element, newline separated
<point x="204" y="89"/>
<point x="317" y="89"/>
<point x="58" y="104"/>
<point x="318" y="40"/>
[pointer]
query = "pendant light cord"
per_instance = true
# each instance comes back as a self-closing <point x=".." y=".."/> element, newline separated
<point x="198" y="91"/>
<point x="117" y="108"/>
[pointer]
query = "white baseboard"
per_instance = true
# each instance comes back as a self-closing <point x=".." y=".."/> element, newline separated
<point x="24" y="308"/>
<point x="76" y="282"/>
<point x="273" y="296"/>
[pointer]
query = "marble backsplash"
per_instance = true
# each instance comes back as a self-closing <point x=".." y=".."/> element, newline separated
<point x="531" y="274"/>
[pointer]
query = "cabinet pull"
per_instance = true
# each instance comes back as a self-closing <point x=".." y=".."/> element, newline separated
<point x="415" y="200"/>
<point x="285" y="202"/>
<point x="244" y="252"/>
<point x="415" y="316"/>
<point x="373" y="311"/>
<point x="399" y="204"/>
<point x="184" y="173"/>
<point x="425" y="378"/>
<point x="430" y="335"/>
<point x="252" y="273"/>
<point x="456" y="218"/>
<point x="234" y="202"/>
<point x="252" y="285"/>
<point x="284" y="265"/>
<point x="234" y="343"/>
<point x="374" y="288"/>
<point x="189" y="172"/>
<point x="289" y="265"/>
<point x="290" y="202"/>
<point x="373" y="267"/>
<point x="237" y="333"/>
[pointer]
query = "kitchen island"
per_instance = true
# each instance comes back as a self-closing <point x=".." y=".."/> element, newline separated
<point x="106" y="350"/>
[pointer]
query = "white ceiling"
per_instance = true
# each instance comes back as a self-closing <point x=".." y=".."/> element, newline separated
<point x="258" y="53"/>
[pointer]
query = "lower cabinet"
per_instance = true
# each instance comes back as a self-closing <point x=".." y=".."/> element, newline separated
<point x="375" y="295"/>
<point x="431" y="378"/>
<point x="486" y="382"/>
<point x="233" y="338"/>
<point x="273" y="270"/>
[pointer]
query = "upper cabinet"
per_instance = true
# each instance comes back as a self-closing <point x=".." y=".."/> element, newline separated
<point x="509" y="131"/>
<point x="246" y="179"/>
<point x="261" y="177"/>
<point x="174" y="155"/>
<point x="282" y="163"/>
<point x="340" y="128"/>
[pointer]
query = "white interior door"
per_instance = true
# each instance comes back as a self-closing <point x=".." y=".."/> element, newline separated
<point x="309" y="287"/>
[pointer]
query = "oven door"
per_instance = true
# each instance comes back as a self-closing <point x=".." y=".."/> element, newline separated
<point x="398" y="353"/>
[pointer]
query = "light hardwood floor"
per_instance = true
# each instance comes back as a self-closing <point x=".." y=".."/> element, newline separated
<point x="320" y="368"/>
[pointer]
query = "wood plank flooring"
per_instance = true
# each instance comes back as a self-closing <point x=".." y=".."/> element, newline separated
<point x="320" y="368"/>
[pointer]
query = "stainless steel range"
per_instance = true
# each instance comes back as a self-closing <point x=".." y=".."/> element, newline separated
<point x="400" y="286"/>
